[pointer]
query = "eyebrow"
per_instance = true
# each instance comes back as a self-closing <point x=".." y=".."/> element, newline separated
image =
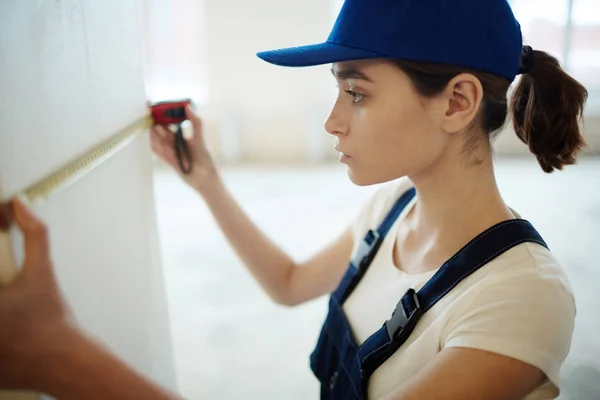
<point x="350" y="73"/>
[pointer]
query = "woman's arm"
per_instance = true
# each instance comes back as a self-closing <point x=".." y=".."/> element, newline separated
<point x="285" y="281"/>
<point x="515" y="333"/>
<point x="471" y="374"/>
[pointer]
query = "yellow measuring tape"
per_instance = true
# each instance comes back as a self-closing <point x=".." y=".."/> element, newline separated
<point x="77" y="168"/>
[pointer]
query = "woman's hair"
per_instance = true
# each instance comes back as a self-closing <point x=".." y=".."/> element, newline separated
<point x="546" y="105"/>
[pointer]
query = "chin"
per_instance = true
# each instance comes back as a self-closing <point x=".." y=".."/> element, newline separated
<point x="360" y="178"/>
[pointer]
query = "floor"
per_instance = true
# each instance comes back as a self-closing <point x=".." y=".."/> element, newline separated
<point x="231" y="342"/>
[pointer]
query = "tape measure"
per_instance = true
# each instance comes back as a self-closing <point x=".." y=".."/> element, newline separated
<point x="173" y="113"/>
<point x="170" y="112"/>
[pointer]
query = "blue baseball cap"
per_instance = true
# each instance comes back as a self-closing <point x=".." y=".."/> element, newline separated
<point x="477" y="34"/>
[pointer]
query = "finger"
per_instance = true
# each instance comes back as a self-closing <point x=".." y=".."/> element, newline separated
<point x="163" y="149"/>
<point x="162" y="140"/>
<point x="160" y="130"/>
<point x="37" y="249"/>
<point x="166" y="156"/>
<point x="194" y="119"/>
<point x="154" y="130"/>
<point x="5" y="216"/>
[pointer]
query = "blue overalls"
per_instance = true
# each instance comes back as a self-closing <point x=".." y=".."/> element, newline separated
<point x="344" y="367"/>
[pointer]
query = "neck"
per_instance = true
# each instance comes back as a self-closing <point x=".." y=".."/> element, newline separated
<point x="457" y="201"/>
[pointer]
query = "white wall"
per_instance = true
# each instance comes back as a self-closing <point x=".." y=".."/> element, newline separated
<point x="71" y="76"/>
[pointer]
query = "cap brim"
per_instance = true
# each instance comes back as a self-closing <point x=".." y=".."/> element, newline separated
<point x="315" y="54"/>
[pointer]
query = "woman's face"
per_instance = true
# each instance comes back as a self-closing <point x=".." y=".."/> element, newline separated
<point x="384" y="130"/>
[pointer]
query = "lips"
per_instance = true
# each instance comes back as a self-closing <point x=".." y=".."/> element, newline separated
<point x="339" y="150"/>
<point x="342" y="157"/>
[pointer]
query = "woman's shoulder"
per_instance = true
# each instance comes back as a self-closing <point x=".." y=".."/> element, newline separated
<point x="528" y="273"/>
<point x="526" y="282"/>
<point x="534" y="266"/>
<point x="520" y="305"/>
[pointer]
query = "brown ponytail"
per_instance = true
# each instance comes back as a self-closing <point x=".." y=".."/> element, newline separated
<point x="547" y="106"/>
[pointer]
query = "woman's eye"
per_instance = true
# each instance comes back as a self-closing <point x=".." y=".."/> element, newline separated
<point x="355" y="96"/>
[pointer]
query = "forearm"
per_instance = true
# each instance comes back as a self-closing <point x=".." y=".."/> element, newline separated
<point x="79" y="368"/>
<point x="268" y="263"/>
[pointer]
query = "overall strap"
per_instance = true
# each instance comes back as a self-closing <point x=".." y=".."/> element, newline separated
<point x="481" y="250"/>
<point x="370" y="244"/>
<point x="477" y="253"/>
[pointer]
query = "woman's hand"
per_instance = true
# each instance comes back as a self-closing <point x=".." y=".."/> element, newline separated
<point x="203" y="171"/>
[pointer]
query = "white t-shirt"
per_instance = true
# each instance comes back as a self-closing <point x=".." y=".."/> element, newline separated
<point x="520" y="305"/>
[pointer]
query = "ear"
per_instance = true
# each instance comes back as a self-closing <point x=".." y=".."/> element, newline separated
<point x="462" y="99"/>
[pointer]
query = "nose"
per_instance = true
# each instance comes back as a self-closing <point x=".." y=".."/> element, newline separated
<point x="334" y="124"/>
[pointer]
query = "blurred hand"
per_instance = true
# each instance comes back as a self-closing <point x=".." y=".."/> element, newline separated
<point x="203" y="167"/>
<point x="33" y="314"/>
<point x="41" y="348"/>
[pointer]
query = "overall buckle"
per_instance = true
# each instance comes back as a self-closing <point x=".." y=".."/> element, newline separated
<point x="365" y="250"/>
<point x="401" y="325"/>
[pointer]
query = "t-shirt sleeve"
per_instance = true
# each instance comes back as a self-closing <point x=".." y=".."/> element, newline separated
<point x="528" y="317"/>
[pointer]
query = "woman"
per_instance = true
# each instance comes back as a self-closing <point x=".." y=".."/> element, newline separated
<point x="450" y="295"/>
